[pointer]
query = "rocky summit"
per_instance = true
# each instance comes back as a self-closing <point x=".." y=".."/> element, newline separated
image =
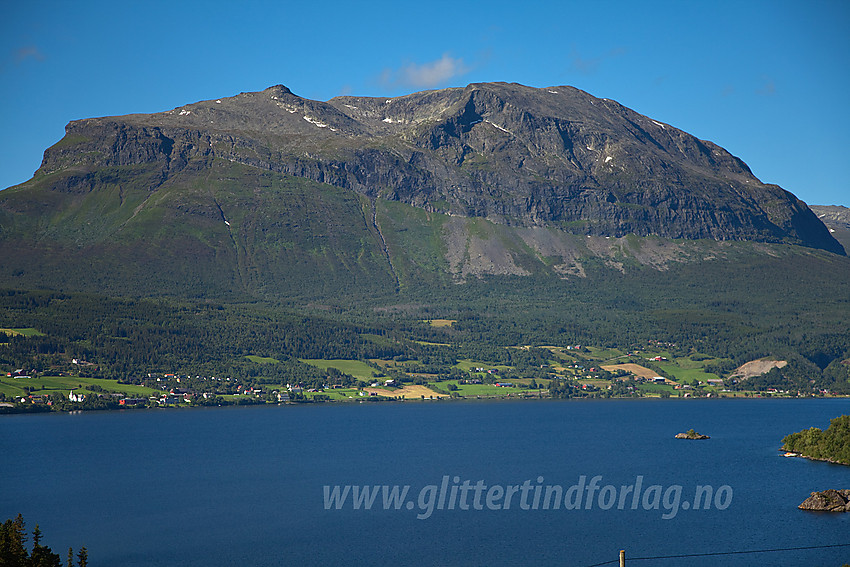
<point x="515" y="155"/>
<point x="268" y="194"/>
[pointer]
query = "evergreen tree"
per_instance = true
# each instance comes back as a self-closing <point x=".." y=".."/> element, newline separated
<point x="83" y="557"/>
<point x="13" y="552"/>
<point x="832" y="444"/>
<point x="12" y="540"/>
<point x="42" y="556"/>
<point x="36" y="537"/>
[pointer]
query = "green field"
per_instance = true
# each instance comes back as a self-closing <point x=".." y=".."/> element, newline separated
<point x="29" y="332"/>
<point x="651" y="388"/>
<point x="472" y="390"/>
<point x="341" y="394"/>
<point x="604" y="354"/>
<point x="356" y="368"/>
<point x="561" y="355"/>
<point x="65" y="384"/>
<point x="687" y="369"/>
<point x="261" y="359"/>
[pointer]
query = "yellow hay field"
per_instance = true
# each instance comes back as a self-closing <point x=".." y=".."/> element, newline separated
<point x="408" y="392"/>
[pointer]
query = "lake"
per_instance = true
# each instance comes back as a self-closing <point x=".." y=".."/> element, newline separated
<point x="489" y="483"/>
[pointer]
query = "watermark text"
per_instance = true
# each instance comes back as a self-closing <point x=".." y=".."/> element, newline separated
<point x="452" y="493"/>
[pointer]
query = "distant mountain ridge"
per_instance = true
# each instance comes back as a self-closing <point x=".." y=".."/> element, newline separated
<point x="835" y="215"/>
<point x="837" y="220"/>
<point x="268" y="194"/>
<point x="515" y="155"/>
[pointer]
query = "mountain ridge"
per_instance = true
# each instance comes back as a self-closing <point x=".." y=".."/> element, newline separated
<point x="268" y="195"/>
<point x="837" y="220"/>
<point x="180" y="240"/>
<point x="515" y="155"/>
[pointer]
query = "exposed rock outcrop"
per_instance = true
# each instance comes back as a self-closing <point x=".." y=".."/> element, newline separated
<point x="691" y="434"/>
<point x="828" y="501"/>
<point x="516" y="155"/>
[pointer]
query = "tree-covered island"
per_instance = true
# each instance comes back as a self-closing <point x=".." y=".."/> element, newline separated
<point x="831" y="445"/>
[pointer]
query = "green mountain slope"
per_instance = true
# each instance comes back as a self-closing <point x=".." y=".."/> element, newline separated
<point x="232" y="230"/>
<point x="496" y="206"/>
<point x="218" y="229"/>
<point x="517" y="156"/>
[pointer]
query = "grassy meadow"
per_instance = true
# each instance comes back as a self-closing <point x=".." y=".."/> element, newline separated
<point x="51" y="384"/>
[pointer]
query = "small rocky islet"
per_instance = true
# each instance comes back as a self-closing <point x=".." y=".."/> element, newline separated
<point x="691" y="434"/>
<point x="831" y="500"/>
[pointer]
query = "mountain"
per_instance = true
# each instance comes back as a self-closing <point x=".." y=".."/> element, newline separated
<point x="269" y="194"/>
<point x="509" y="153"/>
<point x="837" y="220"/>
<point x="273" y="225"/>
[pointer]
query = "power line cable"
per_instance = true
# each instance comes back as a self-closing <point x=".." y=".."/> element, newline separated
<point x="724" y="553"/>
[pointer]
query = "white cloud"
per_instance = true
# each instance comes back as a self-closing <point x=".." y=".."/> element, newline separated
<point x="583" y="65"/>
<point x="589" y="66"/>
<point x="28" y="52"/>
<point x="768" y="87"/>
<point x="426" y="75"/>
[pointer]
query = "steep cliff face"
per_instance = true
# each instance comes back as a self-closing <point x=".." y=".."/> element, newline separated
<point x="520" y="156"/>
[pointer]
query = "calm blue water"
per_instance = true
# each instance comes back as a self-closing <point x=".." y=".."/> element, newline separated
<point x="244" y="486"/>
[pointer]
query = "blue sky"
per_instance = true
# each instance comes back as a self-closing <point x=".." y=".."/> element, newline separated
<point x="767" y="80"/>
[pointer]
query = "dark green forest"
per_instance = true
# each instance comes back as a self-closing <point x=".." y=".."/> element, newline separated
<point x="14" y="552"/>
<point x="784" y="308"/>
<point x="832" y="444"/>
<point x="306" y="270"/>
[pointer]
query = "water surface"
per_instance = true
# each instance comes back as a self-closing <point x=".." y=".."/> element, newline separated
<point x="245" y="486"/>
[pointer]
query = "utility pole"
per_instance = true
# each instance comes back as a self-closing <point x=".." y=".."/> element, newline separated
<point x="622" y="558"/>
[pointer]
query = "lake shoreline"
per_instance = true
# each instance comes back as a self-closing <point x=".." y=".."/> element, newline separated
<point x="16" y="409"/>
<point x="214" y="487"/>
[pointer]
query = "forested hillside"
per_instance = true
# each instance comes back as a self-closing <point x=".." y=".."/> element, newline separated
<point x="269" y="225"/>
